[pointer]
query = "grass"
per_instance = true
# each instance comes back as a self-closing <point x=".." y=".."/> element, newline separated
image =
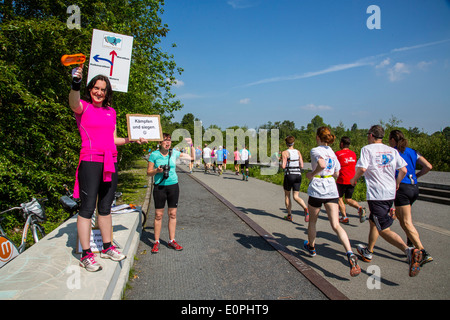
<point x="133" y="183"/>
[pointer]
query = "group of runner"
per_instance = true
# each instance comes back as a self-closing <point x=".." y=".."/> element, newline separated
<point x="391" y="178"/>
<point x="217" y="159"/>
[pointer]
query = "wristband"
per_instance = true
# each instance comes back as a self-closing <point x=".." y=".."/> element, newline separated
<point x="76" y="85"/>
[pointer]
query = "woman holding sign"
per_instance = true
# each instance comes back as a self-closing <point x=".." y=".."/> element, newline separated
<point x="161" y="165"/>
<point x="96" y="178"/>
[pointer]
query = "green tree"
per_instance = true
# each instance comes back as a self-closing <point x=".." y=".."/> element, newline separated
<point x="39" y="140"/>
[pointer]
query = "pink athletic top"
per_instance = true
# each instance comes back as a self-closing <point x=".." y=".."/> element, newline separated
<point x="96" y="126"/>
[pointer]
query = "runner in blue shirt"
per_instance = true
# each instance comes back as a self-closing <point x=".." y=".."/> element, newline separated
<point x="219" y="154"/>
<point x="408" y="191"/>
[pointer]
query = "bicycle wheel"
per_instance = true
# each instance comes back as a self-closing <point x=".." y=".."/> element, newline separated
<point x="38" y="232"/>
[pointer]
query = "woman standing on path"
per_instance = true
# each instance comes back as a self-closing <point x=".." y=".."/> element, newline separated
<point x="96" y="178"/>
<point x="162" y="165"/>
<point x="292" y="163"/>
<point x="408" y="190"/>
<point x="322" y="190"/>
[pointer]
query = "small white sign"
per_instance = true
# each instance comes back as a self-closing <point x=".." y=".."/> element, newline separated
<point x="144" y="126"/>
<point x="111" y="56"/>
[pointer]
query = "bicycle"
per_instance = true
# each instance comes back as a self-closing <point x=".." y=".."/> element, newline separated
<point x="34" y="214"/>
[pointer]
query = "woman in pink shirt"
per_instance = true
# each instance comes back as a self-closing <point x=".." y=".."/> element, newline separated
<point x="237" y="159"/>
<point x="96" y="179"/>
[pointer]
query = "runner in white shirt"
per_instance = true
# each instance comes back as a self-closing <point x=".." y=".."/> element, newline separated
<point x="207" y="157"/>
<point x="378" y="164"/>
<point x="322" y="190"/>
<point x="245" y="158"/>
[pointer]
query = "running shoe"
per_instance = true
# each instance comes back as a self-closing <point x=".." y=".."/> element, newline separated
<point x="425" y="257"/>
<point x="112" y="253"/>
<point x="365" y="254"/>
<point x="155" y="248"/>
<point x="354" y="268"/>
<point x="343" y="220"/>
<point x="362" y="214"/>
<point x="310" y="250"/>
<point x="306" y="215"/>
<point x="89" y="263"/>
<point x="288" y="217"/>
<point x="174" y="245"/>
<point x="414" y="259"/>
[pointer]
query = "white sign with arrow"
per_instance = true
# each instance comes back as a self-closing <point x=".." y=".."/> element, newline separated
<point x="111" y="56"/>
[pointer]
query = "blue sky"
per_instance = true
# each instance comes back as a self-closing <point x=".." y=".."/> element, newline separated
<point x="248" y="62"/>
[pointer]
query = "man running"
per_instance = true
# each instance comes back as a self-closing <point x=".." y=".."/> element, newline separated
<point x="207" y="157"/>
<point x="378" y="164"/>
<point x="347" y="159"/>
<point x="245" y="158"/>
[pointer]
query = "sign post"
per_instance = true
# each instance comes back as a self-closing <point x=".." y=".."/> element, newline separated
<point x="111" y="56"/>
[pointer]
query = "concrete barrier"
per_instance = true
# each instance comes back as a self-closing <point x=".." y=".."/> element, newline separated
<point x="49" y="270"/>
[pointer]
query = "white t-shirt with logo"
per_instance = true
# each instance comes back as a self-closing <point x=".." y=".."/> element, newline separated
<point x="324" y="188"/>
<point x="380" y="162"/>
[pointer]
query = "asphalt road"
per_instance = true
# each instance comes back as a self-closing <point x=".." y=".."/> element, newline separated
<point x="222" y="259"/>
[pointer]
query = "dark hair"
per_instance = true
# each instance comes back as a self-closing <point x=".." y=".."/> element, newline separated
<point x="166" y="135"/>
<point x="325" y="135"/>
<point x="289" y="140"/>
<point x="400" y="139"/>
<point x="345" y="142"/>
<point x="108" y="95"/>
<point x="377" y="131"/>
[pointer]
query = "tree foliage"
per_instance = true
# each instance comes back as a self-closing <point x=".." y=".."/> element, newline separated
<point x="39" y="140"/>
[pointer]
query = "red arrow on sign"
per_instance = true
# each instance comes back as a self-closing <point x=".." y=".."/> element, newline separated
<point x="112" y="54"/>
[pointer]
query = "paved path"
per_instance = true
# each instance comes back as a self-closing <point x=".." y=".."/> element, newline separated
<point x="222" y="259"/>
<point x="225" y="259"/>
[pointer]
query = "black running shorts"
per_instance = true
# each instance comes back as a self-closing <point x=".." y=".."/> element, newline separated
<point x="292" y="182"/>
<point x="90" y="178"/>
<point x="345" y="190"/>
<point x="169" y="194"/>
<point x="379" y="213"/>
<point x="317" y="202"/>
<point x="406" y="194"/>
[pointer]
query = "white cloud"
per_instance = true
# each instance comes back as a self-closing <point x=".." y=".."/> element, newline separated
<point x="244" y="101"/>
<point x="176" y="83"/>
<point x="313" y="107"/>
<point x="383" y="63"/>
<point x="423" y="65"/>
<point x="423" y="45"/>
<point x="335" y="68"/>
<point x="397" y="71"/>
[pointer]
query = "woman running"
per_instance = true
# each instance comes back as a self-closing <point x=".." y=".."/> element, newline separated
<point x="408" y="191"/>
<point x="322" y="190"/>
<point x="292" y="163"/>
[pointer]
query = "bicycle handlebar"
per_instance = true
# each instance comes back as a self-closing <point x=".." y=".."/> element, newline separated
<point x="10" y="209"/>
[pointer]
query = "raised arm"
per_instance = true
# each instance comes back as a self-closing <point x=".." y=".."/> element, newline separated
<point x="74" y="95"/>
